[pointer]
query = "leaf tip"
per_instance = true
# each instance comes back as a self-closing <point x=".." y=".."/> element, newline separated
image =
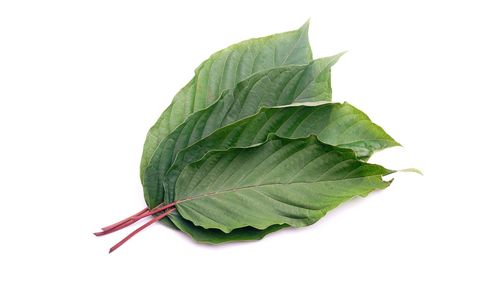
<point x="305" y="26"/>
<point x="412" y="170"/>
<point x="331" y="60"/>
<point x="341" y="53"/>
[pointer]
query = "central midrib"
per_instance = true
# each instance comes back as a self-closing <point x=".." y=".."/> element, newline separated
<point x="215" y="193"/>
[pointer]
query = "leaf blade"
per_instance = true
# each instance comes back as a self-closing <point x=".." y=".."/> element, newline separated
<point x="278" y="86"/>
<point x="215" y="236"/>
<point x="211" y="78"/>
<point x="325" y="121"/>
<point x="217" y="193"/>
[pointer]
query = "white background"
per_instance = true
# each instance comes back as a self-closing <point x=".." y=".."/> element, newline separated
<point x="81" y="82"/>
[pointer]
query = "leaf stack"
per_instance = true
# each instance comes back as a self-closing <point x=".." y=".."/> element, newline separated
<point x="253" y="144"/>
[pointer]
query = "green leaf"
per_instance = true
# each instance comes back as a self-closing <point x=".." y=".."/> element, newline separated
<point x="278" y="86"/>
<point x="223" y="70"/>
<point x="250" y="146"/>
<point x="291" y="182"/>
<point x="336" y="124"/>
<point x="215" y="236"/>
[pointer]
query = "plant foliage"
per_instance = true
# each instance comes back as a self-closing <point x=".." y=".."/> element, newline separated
<point x="253" y="144"/>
